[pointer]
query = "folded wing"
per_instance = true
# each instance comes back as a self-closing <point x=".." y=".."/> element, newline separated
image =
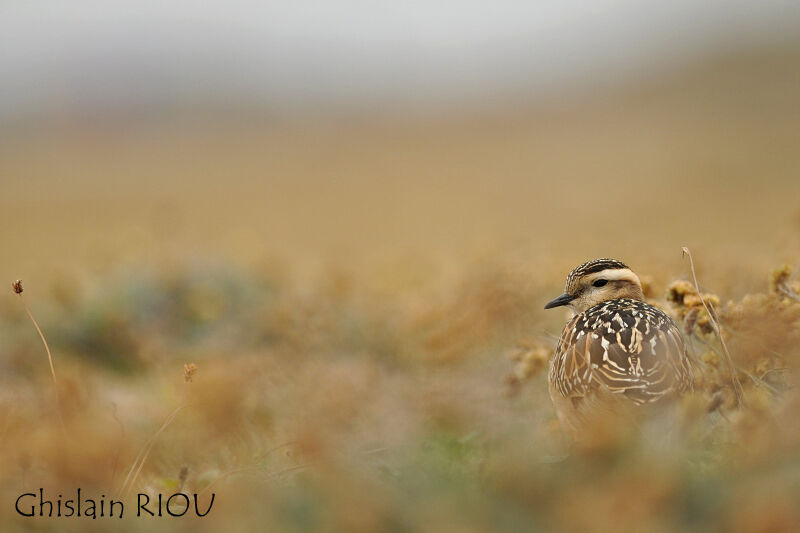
<point x="632" y="349"/>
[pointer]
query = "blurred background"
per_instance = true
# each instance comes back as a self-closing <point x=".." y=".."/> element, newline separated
<point x="304" y="130"/>
<point x="349" y="214"/>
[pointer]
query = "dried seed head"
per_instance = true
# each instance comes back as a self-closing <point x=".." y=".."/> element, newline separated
<point x="678" y="290"/>
<point x="189" y="371"/>
<point x="690" y="320"/>
<point x="780" y="277"/>
<point x="781" y="286"/>
<point x="17" y="286"/>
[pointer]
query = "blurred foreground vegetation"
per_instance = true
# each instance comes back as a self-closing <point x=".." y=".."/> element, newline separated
<point x="363" y="304"/>
<point x="339" y="405"/>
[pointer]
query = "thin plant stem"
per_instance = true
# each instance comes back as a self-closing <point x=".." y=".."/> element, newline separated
<point x="141" y="458"/>
<point x="138" y="464"/>
<point x="44" y="341"/>
<point x="49" y="355"/>
<point x="737" y="386"/>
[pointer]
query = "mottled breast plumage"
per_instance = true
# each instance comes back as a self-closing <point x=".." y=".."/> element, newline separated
<point x="624" y="346"/>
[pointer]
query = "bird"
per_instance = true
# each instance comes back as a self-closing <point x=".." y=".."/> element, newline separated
<point x="617" y="352"/>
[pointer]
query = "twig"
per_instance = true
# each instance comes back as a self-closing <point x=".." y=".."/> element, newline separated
<point x="737" y="386"/>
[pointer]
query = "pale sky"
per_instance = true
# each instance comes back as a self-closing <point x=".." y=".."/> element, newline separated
<point x="102" y="54"/>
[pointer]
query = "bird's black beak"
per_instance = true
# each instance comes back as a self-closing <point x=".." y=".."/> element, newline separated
<point x="564" y="299"/>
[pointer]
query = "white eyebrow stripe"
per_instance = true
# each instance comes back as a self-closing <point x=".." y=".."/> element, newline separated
<point x="614" y="274"/>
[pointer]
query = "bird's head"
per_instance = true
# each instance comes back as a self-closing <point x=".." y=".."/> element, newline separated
<point x="597" y="281"/>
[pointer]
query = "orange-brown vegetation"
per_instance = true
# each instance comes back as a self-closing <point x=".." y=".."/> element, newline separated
<point x="340" y="327"/>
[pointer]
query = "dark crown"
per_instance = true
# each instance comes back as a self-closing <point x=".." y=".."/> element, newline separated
<point x="595" y="265"/>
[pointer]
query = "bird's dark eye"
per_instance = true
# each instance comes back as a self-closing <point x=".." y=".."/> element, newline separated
<point x="599" y="282"/>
